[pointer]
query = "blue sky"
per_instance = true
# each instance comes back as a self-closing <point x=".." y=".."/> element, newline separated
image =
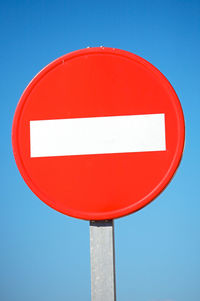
<point x="45" y="255"/>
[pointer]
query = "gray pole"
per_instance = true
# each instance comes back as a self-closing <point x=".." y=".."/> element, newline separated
<point x="102" y="257"/>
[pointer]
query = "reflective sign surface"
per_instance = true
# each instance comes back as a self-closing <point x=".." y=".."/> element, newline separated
<point x="98" y="133"/>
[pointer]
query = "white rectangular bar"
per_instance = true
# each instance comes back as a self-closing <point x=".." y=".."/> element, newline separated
<point x="102" y="258"/>
<point x="97" y="135"/>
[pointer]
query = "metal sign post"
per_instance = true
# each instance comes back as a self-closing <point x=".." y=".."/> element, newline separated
<point x="102" y="257"/>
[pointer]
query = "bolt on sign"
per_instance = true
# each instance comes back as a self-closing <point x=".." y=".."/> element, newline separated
<point x="98" y="134"/>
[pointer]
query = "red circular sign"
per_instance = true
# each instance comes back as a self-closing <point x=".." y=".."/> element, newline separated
<point x="98" y="133"/>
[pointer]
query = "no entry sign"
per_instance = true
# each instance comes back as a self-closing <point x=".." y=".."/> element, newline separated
<point x="98" y="133"/>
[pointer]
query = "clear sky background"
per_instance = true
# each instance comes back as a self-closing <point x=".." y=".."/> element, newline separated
<point x="44" y="255"/>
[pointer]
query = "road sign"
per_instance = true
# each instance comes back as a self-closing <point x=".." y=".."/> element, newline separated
<point x="98" y="133"/>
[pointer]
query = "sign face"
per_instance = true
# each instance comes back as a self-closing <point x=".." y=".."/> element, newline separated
<point x="98" y="133"/>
